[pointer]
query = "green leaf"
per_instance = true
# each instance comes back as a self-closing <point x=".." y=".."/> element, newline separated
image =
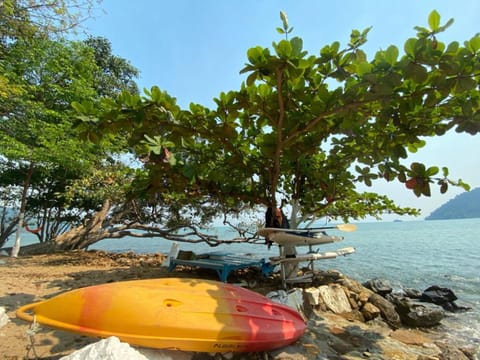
<point x="425" y="189"/>
<point x="284" y="49"/>
<point x="431" y="171"/>
<point x="421" y="31"/>
<point x="452" y="47"/>
<point x="264" y="90"/>
<point x="434" y="20"/>
<point x="364" y="68"/>
<point x="79" y="108"/>
<point x="156" y="94"/>
<point x="251" y="79"/>
<point x="409" y="47"/>
<point x="391" y="54"/>
<point x="297" y="46"/>
<point x="416" y="72"/>
<point x="256" y="55"/>
<point x="418" y="169"/>
<point x="284" y="18"/>
<point x="464" y="84"/>
<point x="444" y="27"/>
<point x="475" y="43"/>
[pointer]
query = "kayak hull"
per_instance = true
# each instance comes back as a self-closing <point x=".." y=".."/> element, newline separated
<point x="172" y="313"/>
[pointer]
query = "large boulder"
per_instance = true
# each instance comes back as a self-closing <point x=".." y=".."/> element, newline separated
<point x="443" y="297"/>
<point x="418" y="314"/>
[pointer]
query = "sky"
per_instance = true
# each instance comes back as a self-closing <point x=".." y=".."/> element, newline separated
<point x="195" y="49"/>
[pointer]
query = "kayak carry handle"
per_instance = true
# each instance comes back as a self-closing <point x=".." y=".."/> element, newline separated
<point x="22" y="311"/>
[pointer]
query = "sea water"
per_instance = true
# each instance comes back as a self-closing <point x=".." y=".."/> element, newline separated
<point x="413" y="254"/>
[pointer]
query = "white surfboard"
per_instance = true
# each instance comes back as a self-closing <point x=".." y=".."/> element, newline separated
<point x="311" y="257"/>
<point x="297" y="238"/>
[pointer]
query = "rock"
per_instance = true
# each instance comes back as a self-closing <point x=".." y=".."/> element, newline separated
<point x="410" y="337"/>
<point x="3" y="317"/>
<point x="108" y="349"/>
<point x="370" y="311"/>
<point x="113" y="349"/>
<point x="155" y="354"/>
<point x="292" y="352"/>
<point x="312" y="295"/>
<point x="387" y="310"/>
<point x="327" y="277"/>
<point x="443" y="297"/>
<point x="352" y="298"/>
<point x="440" y="296"/>
<point x="418" y="314"/>
<point x="335" y="298"/>
<point x="364" y="296"/>
<point x="450" y="352"/>
<point x="379" y="286"/>
<point x="355" y="286"/>
<point x="412" y="293"/>
<point x="354" y="315"/>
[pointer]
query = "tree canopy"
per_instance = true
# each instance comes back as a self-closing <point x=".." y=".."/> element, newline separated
<point x="306" y="128"/>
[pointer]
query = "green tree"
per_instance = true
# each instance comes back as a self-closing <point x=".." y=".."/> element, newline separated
<point x="114" y="74"/>
<point x="40" y="149"/>
<point x="36" y="134"/>
<point x="24" y="26"/>
<point x="306" y="128"/>
<point x="22" y="18"/>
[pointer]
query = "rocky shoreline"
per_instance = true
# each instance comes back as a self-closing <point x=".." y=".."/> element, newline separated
<point x="360" y="321"/>
<point x="346" y="319"/>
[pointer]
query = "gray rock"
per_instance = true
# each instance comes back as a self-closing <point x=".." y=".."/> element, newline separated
<point x="379" y="286"/>
<point x="418" y="314"/>
<point x="412" y="293"/>
<point x="387" y="310"/>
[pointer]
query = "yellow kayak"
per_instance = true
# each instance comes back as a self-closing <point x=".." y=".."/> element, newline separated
<point x="172" y="313"/>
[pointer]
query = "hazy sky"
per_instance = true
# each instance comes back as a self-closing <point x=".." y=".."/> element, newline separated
<point x="194" y="49"/>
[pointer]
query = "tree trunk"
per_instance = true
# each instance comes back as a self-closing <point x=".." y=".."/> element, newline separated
<point x="82" y="236"/>
<point x="21" y="215"/>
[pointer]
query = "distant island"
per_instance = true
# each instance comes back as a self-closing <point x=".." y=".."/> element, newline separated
<point x="463" y="206"/>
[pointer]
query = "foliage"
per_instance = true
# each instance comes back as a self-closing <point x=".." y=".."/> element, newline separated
<point x="113" y="74"/>
<point x="22" y="18"/>
<point x="41" y="150"/>
<point x="306" y="128"/>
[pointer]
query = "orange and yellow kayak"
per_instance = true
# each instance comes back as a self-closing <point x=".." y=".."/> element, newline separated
<point x="172" y="313"/>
